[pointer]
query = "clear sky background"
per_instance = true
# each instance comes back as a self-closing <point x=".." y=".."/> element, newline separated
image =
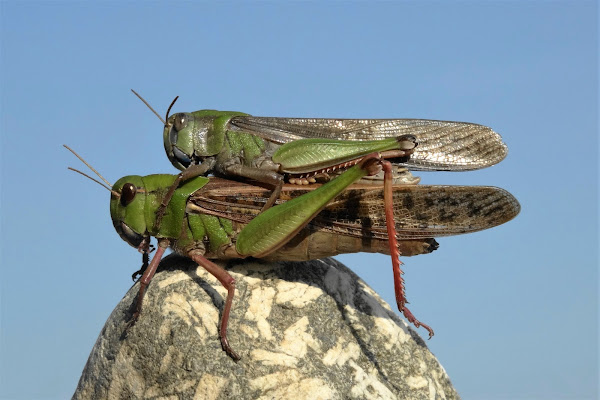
<point x="514" y="308"/>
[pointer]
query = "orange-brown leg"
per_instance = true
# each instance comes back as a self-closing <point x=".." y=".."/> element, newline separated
<point x="229" y="283"/>
<point x="394" y="251"/>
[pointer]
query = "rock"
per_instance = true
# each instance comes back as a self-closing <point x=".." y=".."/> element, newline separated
<point x="304" y="330"/>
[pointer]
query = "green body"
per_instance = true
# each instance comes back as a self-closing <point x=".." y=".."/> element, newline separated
<point x="209" y="141"/>
<point x="308" y="155"/>
<point x="177" y="224"/>
<point x="274" y="227"/>
<point x="208" y="134"/>
<point x="264" y="234"/>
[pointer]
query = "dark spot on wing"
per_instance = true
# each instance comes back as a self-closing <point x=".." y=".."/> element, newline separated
<point x="408" y="202"/>
<point x="446" y="216"/>
<point x="421" y="217"/>
<point x="474" y="210"/>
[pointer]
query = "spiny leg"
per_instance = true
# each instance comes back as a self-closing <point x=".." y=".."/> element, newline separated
<point x="394" y="250"/>
<point x="228" y="283"/>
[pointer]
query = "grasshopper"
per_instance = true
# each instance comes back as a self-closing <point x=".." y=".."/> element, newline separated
<point x="306" y="150"/>
<point x="214" y="218"/>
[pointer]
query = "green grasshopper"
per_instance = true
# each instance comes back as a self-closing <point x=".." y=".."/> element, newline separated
<point x="306" y="150"/>
<point x="214" y="218"/>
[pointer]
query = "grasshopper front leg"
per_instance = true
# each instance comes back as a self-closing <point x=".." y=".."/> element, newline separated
<point x="147" y="277"/>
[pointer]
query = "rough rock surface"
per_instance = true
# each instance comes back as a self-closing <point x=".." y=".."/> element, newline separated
<point x="304" y="330"/>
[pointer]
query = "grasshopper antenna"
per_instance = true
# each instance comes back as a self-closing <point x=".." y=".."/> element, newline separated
<point x="171" y="106"/>
<point x="89" y="177"/>
<point x="90" y="167"/>
<point x="152" y="109"/>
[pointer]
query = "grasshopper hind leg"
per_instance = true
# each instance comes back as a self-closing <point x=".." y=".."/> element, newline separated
<point x="395" y="251"/>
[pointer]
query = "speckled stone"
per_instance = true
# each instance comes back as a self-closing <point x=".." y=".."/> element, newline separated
<point x="304" y="330"/>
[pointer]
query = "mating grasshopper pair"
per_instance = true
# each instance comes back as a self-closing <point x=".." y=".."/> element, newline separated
<point x="213" y="218"/>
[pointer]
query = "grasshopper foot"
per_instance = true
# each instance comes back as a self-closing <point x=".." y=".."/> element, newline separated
<point x="227" y="348"/>
<point x="411" y="318"/>
<point x="138" y="273"/>
<point x="145" y="248"/>
<point x="131" y="322"/>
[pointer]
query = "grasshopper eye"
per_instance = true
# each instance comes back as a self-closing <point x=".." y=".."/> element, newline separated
<point x="127" y="194"/>
<point x="181" y="121"/>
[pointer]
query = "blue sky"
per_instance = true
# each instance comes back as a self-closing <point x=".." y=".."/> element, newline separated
<point x="515" y="308"/>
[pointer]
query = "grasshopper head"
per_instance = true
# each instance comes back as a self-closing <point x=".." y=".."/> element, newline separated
<point x="191" y="137"/>
<point x="127" y="209"/>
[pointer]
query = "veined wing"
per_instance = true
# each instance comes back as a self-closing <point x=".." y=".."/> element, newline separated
<point x="419" y="211"/>
<point x="443" y="145"/>
<point x="423" y="211"/>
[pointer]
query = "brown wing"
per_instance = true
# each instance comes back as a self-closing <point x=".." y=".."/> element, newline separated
<point x="419" y="211"/>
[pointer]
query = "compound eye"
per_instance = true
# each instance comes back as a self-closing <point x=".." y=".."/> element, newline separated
<point x="128" y="193"/>
<point x="181" y="121"/>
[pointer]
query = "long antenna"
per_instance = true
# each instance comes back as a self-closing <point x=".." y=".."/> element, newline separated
<point x="88" y="165"/>
<point x="89" y="177"/>
<point x="150" y="107"/>
<point x="171" y="106"/>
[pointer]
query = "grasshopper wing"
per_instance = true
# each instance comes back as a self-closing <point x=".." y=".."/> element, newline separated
<point x="419" y="211"/>
<point x="443" y="145"/>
